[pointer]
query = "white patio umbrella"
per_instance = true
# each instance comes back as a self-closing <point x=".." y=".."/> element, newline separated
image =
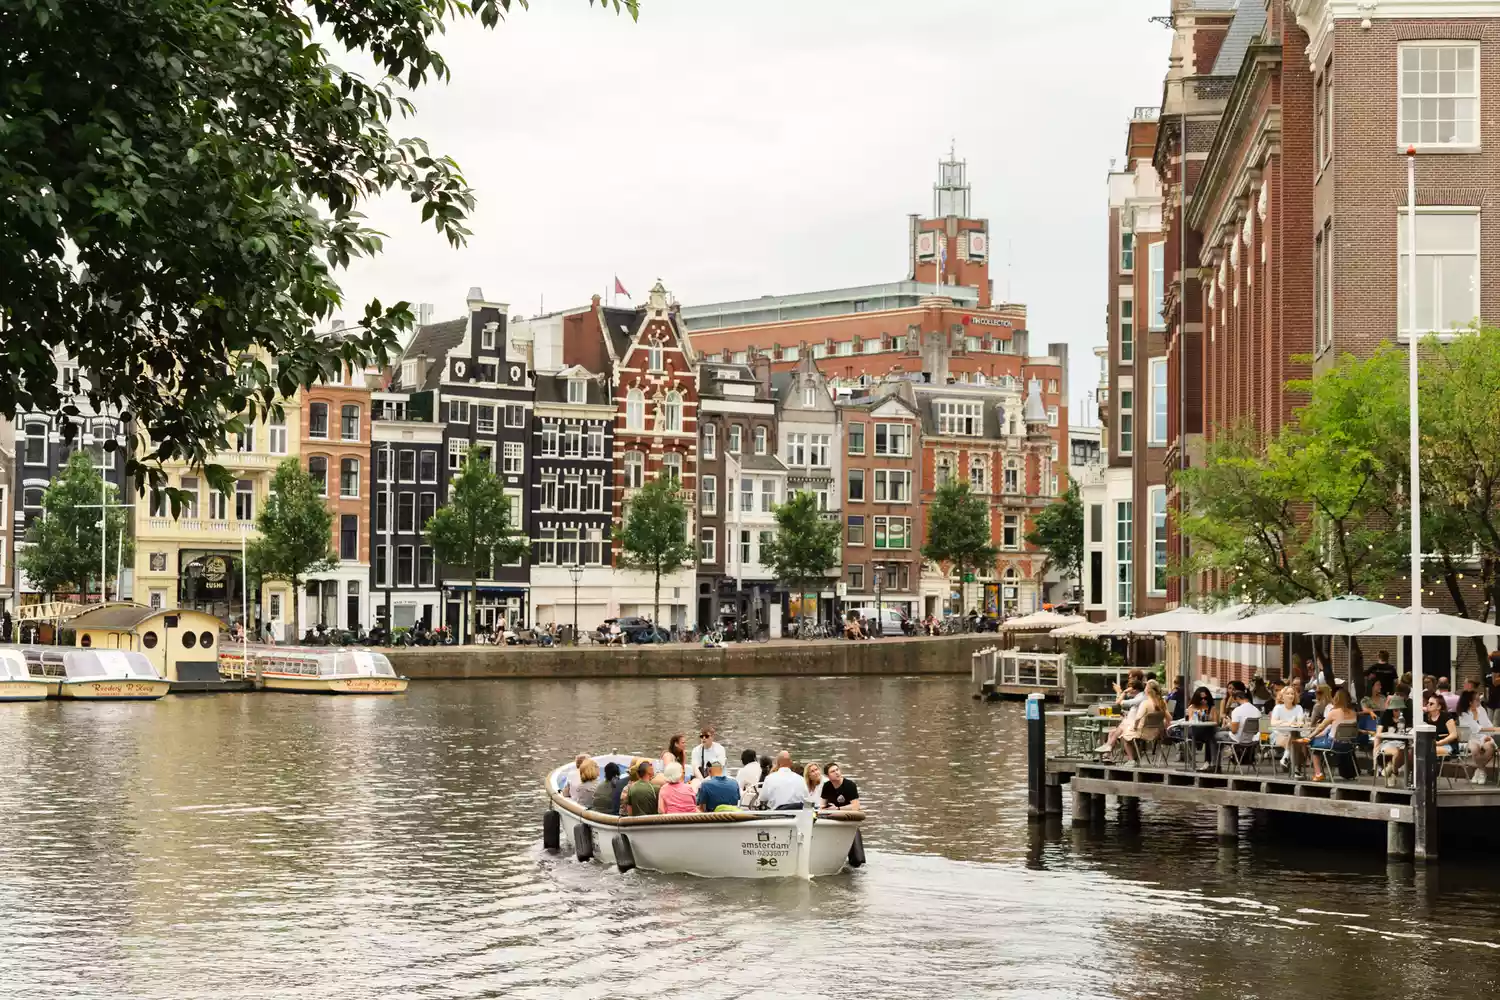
<point x="1346" y="608"/>
<point x="1040" y="621"/>
<point x="1404" y="624"/>
<point x="1275" y="623"/>
<point x="1177" y="620"/>
<point x="1077" y="630"/>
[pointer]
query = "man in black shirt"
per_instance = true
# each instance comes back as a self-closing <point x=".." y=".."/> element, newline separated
<point x="838" y="791"/>
<point x="1383" y="669"/>
<point x="607" y="798"/>
<point x="1492" y="687"/>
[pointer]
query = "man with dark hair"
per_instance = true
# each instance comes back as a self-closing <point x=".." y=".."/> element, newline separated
<point x="748" y="778"/>
<point x="640" y="795"/>
<point x="607" y="797"/>
<point x="1385" y="670"/>
<point x="838" y="791"/>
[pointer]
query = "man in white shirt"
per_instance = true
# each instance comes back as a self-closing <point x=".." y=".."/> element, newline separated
<point x="705" y="753"/>
<point x="783" y="787"/>
<point x="1244" y="720"/>
<point x="748" y="777"/>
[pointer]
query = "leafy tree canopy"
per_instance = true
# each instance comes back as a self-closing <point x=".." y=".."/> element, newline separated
<point x="474" y="530"/>
<point x="654" y="537"/>
<point x="296" y="532"/>
<point x="179" y="182"/>
<point x="958" y="529"/>
<point x="806" y="544"/>
<point x="63" y="544"/>
<point x="1058" y="531"/>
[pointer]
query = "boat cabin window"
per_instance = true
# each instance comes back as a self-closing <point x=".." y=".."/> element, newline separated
<point x="13" y="665"/>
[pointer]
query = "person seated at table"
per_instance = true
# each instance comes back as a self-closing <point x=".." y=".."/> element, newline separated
<point x="1492" y="686"/>
<point x="1322" y="698"/>
<point x="1476" y="729"/>
<point x="1260" y="694"/>
<point x="1339" y="711"/>
<point x="1445" y="691"/>
<point x="1287" y="719"/>
<point x="1135" y="722"/>
<point x="1387" y="754"/>
<point x="1307" y="695"/>
<point x="1401" y="698"/>
<point x="1376" y="701"/>
<point x="1131" y="725"/>
<point x="1242" y="714"/>
<point x="1135" y="689"/>
<point x="1202" y="708"/>
<point x="1177" y="700"/>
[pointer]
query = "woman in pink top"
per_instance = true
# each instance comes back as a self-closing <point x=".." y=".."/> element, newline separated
<point x="676" y="796"/>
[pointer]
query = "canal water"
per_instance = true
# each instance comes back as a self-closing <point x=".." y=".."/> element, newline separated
<point x="284" y="846"/>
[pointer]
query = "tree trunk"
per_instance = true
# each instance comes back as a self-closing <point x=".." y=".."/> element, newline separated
<point x="1450" y="578"/>
<point x="656" y="602"/>
<point x="296" y="611"/>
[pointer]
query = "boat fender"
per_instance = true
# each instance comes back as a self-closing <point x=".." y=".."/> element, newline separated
<point x="624" y="856"/>
<point x="583" y="842"/>
<point x="857" y="851"/>
<point x="551" y="830"/>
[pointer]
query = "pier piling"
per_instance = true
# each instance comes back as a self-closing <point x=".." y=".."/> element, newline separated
<point x="1229" y="822"/>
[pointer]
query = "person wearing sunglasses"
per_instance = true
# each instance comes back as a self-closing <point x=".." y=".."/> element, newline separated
<point x="705" y="753"/>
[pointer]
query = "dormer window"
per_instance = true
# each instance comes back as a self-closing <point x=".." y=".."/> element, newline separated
<point x="487" y="336"/>
<point x="578" y="391"/>
<point x="963" y="419"/>
<point x="409" y="374"/>
<point x="809" y="397"/>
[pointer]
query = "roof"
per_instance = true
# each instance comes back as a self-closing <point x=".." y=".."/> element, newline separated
<point x="620" y="325"/>
<point x="929" y="395"/>
<point x="762" y="463"/>
<point x="434" y="341"/>
<point x="120" y="616"/>
<point x="1248" y="24"/>
<point x="552" y="387"/>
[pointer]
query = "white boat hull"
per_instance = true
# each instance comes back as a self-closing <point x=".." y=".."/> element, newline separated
<point x="134" y="689"/>
<point x="25" y="689"/>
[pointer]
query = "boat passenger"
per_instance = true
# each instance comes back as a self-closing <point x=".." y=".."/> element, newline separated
<point x="676" y="750"/>
<point x="659" y="769"/>
<point x="705" y="753"/>
<point x="607" y="795"/>
<point x="812" y="775"/>
<point x="676" y="796"/>
<point x="783" y="788"/>
<point x="640" y="796"/>
<point x="838" y="792"/>
<point x="718" y="791"/>
<point x="748" y="777"/>
<point x="583" y="788"/>
<point x="570" y="776"/>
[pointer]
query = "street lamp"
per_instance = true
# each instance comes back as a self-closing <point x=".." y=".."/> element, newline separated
<point x="879" y="569"/>
<point x="576" y="572"/>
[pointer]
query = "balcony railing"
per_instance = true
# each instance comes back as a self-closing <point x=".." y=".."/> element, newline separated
<point x="207" y="526"/>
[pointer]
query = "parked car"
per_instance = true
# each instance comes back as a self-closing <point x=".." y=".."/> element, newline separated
<point x="892" y="622"/>
<point x="634" y="629"/>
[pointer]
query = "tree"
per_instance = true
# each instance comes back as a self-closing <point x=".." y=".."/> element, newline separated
<point x="296" y="533"/>
<point x="806" y="544"/>
<point x="654" y="536"/>
<point x="64" y="545"/>
<point x="958" y="529"/>
<point x="187" y="196"/>
<point x="474" y="530"/>
<point x="1058" y="531"/>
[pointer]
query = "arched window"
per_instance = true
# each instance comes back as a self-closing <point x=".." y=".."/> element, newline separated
<point x="655" y="359"/>
<point x="349" y="477"/>
<point x="635" y="470"/>
<point x="671" y="465"/>
<point x="317" y="468"/>
<point x="635" y="410"/>
<point x="671" y="412"/>
<point x="760" y="440"/>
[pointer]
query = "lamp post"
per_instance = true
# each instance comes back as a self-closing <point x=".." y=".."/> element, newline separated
<point x="576" y="572"/>
<point x="879" y="569"/>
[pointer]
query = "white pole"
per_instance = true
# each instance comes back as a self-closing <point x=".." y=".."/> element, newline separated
<point x="103" y="535"/>
<point x="244" y="604"/>
<point x="1419" y="720"/>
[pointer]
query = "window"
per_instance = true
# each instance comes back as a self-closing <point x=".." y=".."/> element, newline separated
<point x="487" y="372"/>
<point x="747" y="495"/>
<point x="820" y="351"/>
<point x="1439" y="103"/>
<point x="244" y="440"/>
<point x="817" y="451"/>
<point x="317" y="420"/>
<point x="458" y="411"/>
<point x="426" y="571"/>
<point x="36" y="444"/>
<point x="893" y="439"/>
<point x="218" y="505"/>
<point x="484" y="418"/>
<point x="349" y="538"/>
<point x="1096" y="522"/>
<point x="708" y="546"/>
<point x="244" y="500"/>
<point x="671" y="465"/>
<point x="1158" y="437"/>
<point x="458" y="453"/>
<point x="767" y="495"/>
<point x="515" y="415"/>
<point x="856" y="434"/>
<point x="317" y="468"/>
<point x="656" y="358"/>
<point x="593" y="498"/>
<point x="428" y="465"/>
<point x="1012" y="475"/>
<point x="971" y="343"/>
<point x="760" y="440"/>
<point x="1158" y="540"/>
<point x="856" y="578"/>
<point x="1127" y="421"/>
<point x="671" y="411"/>
<point x="762" y="543"/>
<point x="977" y="476"/>
<point x="943" y="473"/>
<point x="892" y="485"/>
<point x="382" y="566"/>
<point x="487" y="336"/>
<point x="1052" y="416"/>
<point x="709" y="495"/>
<point x="190" y="502"/>
<point x="844" y="348"/>
<point x="548" y="484"/>
<point x="546" y="547"/>
<point x="403" y="565"/>
<point x="570" y="495"/>
<point x="277" y="433"/>
<point x="383" y="465"/>
<point x="796" y="449"/>
<point x="873" y="346"/>
<point x="1127" y="250"/>
<point x="349" y="478"/>
<point x="406" y="512"/>
<point x="1320" y="278"/>
<point x="809" y="397"/>
<point x="892" y="532"/>
<point x="382" y="511"/>
<point x="1158" y="258"/>
<point x="856" y="529"/>
<point x="960" y="418"/>
<point x="409" y="374"/>
<point x="1447" y="270"/>
<point x="551" y="436"/>
<point x="856" y="485"/>
<point x="635" y="410"/>
<point x="735" y="432"/>
<point x="1010" y="532"/>
<point x="349" y="422"/>
<point x="744" y="547"/>
<point x="578" y="390"/>
<point x="710" y="438"/>
<point x="31" y="496"/>
<point x="1124" y="597"/>
<point x="594" y="442"/>
<point x="635" y="470"/>
<point x="511" y="458"/>
<point x="790" y="353"/>
<point x="1127" y="331"/>
<point x="1323" y="119"/>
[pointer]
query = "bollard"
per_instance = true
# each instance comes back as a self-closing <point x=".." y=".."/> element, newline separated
<point x="1426" y="765"/>
<point x="1036" y="757"/>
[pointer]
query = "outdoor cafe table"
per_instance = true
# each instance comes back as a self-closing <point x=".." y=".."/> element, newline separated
<point x="1406" y="737"/>
<point x="1189" y="744"/>
<point x="1071" y="743"/>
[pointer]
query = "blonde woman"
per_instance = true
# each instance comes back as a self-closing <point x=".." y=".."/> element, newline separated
<point x="812" y="775"/>
<point x="582" y="791"/>
<point x="1287" y="718"/>
<point x="1320" y="704"/>
<point x="1151" y="701"/>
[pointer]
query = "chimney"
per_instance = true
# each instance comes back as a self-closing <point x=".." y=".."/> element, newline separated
<point x="761" y="365"/>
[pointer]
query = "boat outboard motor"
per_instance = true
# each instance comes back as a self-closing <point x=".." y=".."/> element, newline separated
<point x="857" y="852"/>
<point x="624" y="856"/>
<point x="583" y="842"/>
<point x="551" y="830"/>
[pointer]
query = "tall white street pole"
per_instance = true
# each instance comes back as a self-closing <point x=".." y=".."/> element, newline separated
<point x="1419" y="718"/>
<point x="244" y="604"/>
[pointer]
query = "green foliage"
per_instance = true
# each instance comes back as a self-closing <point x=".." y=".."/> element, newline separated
<point x="654" y="536"/>
<point x="63" y="545"/>
<point x="475" y="530"/>
<point x="179" y="181"/>
<point x="296" y="532"/>
<point x="958" y="529"/>
<point x="1058" y="531"/>
<point x="806" y="544"/>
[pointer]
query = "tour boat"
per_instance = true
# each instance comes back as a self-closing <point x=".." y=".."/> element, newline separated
<point x="16" y="682"/>
<point x="740" y="844"/>
<point x="94" y="674"/>
<point x="339" y="670"/>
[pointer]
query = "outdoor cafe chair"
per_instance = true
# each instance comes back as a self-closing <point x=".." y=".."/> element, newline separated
<point x="1244" y="749"/>
<point x="1149" y="744"/>
<point x="1342" y="747"/>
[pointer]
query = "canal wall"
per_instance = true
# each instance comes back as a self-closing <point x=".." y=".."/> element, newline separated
<point x="874" y="657"/>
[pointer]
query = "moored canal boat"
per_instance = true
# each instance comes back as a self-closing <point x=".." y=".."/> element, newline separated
<point x="735" y="844"/>
<point x="302" y="670"/>
<point x="16" y="682"/>
<point x="98" y="674"/>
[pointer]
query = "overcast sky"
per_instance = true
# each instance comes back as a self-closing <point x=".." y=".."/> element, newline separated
<point x="737" y="148"/>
